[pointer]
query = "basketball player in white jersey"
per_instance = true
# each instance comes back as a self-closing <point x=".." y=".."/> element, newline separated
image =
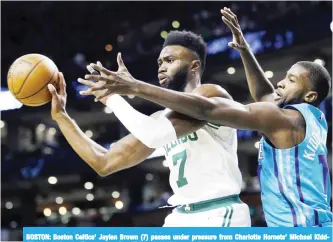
<point x="202" y="158"/>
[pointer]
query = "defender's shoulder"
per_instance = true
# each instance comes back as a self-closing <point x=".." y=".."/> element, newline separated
<point x="292" y="113"/>
<point x="297" y="111"/>
<point x="212" y="90"/>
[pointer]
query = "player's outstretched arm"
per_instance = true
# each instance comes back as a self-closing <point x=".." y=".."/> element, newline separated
<point x="259" y="116"/>
<point x="209" y="108"/>
<point x="261" y="88"/>
<point x="267" y="118"/>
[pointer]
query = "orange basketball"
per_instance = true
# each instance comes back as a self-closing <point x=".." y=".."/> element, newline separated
<point x="28" y="77"/>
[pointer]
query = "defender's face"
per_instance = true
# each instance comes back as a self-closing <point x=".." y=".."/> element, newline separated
<point x="173" y="67"/>
<point x="293" y="88"/>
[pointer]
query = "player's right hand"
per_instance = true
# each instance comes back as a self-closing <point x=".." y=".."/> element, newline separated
<point x="59" y="97"/>
<point x="238" y="41"/>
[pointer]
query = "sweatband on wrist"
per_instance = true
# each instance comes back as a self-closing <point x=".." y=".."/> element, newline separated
<point x="154" y="133"/>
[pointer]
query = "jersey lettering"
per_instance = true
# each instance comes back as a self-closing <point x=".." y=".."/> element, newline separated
<point x="190" y="137"/>
<point x="260" y="156"/>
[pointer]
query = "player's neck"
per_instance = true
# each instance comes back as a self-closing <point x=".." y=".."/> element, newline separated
<point x="192" y="84"/>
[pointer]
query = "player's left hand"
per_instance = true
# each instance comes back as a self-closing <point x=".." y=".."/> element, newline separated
<point x="120" y="82"/>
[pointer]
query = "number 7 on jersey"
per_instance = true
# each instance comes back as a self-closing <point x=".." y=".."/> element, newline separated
<point x="182" y="156"/>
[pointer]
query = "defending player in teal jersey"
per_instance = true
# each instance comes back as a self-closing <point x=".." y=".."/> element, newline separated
<point x="292" y="158"/>
<point x="294" y="179"/>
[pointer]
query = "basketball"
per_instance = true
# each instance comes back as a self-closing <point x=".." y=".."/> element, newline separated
<point x="28" y="77"/>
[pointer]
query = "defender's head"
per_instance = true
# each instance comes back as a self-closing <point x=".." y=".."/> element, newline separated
<point x="183" y="57"/>
<point x="305" y="81"/>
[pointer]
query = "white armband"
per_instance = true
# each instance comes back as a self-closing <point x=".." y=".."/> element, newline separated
<point x="154" y="133"/>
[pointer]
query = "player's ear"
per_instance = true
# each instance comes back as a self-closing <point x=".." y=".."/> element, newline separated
<point x="195" y="66"/>
<point x="311" y="96"/>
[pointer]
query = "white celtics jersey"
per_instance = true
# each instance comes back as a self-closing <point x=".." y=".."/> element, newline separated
<point x="204" y="165"/>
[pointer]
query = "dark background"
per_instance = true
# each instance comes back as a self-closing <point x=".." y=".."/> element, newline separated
<point x="74" y="34"/>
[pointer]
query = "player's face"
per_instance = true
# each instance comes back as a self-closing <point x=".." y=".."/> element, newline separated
<point x="293" y="88"/>
<point x="173" y="67"/>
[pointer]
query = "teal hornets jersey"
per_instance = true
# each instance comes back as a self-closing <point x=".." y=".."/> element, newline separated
<point x="295" y="182"/>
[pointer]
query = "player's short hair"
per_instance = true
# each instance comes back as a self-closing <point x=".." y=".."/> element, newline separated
<point x="188" y="40"/>
<point x="319" y="77"/>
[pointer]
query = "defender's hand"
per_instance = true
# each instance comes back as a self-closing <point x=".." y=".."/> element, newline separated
<point x="120" y="82"/>
<point x="238" y="41"/>
<point x="59" y="98"/>
<point x="104" y="92"/>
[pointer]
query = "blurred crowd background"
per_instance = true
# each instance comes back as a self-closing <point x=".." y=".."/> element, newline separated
<point x="43" y="181"/>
